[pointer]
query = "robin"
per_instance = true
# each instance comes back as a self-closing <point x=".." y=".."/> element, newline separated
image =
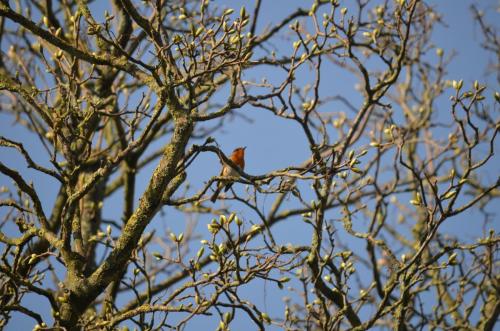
<point x="238" y="158"/>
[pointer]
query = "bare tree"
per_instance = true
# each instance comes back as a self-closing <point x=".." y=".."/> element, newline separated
<point x="149" y="83"/>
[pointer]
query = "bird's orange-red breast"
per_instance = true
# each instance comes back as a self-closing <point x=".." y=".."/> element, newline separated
<point x="238" y="158"/>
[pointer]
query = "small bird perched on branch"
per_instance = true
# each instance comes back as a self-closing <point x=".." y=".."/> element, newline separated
<point x="238" y="158"/>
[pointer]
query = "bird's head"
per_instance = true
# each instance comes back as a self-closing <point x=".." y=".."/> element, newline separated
<point x="239" y="153"/>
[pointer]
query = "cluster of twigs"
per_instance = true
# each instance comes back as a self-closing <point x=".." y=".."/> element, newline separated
<point x="106" y="95"/>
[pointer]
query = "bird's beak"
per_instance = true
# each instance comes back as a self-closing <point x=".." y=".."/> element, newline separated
<point x="244" y="147"/>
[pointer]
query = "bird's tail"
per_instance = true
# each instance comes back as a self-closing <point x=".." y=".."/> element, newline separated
<point x="216" y="193"/>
